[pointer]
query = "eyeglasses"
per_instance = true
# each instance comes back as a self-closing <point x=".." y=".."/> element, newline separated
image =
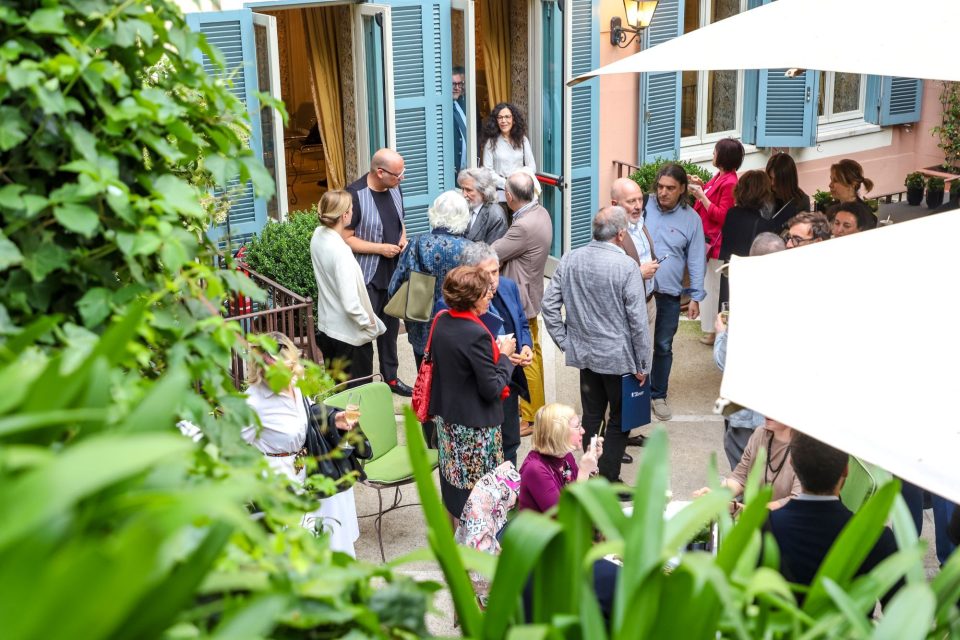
<point x="504" y="118"/>
<point x="459" y="84"/>
<point x="796" y="240"/>
<point x="398" y="176"/>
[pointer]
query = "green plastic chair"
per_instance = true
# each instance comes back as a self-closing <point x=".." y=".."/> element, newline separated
<point x="862" y="481"/>
<point x="389" y="468"/>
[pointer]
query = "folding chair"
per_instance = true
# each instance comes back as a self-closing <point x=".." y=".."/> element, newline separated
<point x="389" y="468"/>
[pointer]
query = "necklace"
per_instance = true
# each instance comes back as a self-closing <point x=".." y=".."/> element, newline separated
<point x="770" y="468"/>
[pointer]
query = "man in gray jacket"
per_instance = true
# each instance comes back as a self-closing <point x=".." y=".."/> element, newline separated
<point x="605" y="333"/>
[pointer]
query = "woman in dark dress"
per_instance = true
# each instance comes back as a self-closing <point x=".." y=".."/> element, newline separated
<point x="788" y="198"/>
<point x="470" y="377"/>
<point x="749" y="217"/>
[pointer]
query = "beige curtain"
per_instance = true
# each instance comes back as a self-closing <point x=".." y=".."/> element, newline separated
<point x="495" y="27"/>
<point x="325" y="80"/>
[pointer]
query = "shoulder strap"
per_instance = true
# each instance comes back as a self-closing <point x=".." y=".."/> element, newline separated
<point x="653" y="252"/>
<point x="426" y="351"/>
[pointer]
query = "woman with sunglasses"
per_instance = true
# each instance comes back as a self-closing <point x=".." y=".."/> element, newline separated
<point x="504" y="143"/>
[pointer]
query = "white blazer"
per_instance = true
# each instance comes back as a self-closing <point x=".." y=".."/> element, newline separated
<point x="344" y="311"/>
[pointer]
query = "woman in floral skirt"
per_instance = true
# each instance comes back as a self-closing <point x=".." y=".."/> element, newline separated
<point x="470" y="378"/>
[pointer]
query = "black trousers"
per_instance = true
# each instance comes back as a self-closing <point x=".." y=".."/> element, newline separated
<point x="358" y="361"/>
<point x="510" y="429"/>
<point x="598" y="391"/>
<point x="386" y="343"/>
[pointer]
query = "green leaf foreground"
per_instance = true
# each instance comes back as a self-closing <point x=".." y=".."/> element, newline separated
<point x="705" y="596"/>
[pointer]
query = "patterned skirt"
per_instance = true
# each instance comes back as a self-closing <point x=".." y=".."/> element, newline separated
<point x="465" y="455"/>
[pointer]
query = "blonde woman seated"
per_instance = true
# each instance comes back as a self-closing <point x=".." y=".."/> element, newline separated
<point x="550" y="465"/>
<point x="283" y="416"/>
<point x="774" y="437"/>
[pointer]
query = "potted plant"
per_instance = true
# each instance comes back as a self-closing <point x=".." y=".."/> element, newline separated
<point x="914" y="185"/>
<point x="955" y="193"/>
<point x="822" y="200"/>
<point x="934" y="192"/>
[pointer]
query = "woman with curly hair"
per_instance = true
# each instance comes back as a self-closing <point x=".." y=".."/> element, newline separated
<point x="504" y="142"/>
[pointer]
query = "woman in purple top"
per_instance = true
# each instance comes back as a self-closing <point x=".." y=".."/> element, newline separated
<point x="550" y="465"/>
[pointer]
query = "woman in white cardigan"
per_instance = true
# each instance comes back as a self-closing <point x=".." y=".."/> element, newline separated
<point x="346" y="324"/>
<point x="505" y="145"/>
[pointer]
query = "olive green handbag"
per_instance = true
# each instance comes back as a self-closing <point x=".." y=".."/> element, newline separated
<point x="413" y="301"/>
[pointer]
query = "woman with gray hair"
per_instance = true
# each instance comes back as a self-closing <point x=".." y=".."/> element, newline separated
<point x="434" y="253"/>
<point x="488" y="222"/>
<point x="505" y="316"/>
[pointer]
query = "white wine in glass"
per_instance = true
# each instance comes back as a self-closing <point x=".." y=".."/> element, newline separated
<point x="352" y="410"/>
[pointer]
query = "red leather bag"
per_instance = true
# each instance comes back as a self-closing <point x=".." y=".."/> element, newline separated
<point x="420" y="401"/>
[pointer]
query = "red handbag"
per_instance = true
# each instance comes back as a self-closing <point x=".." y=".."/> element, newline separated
<point x="420" y="400"/>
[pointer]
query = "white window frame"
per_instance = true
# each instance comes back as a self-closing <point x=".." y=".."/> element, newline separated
<point x="709" y="139"/>
<point x="829" y="117"/>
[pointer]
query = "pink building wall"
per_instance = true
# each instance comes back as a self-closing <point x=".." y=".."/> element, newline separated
<point x="619" y="101"/>
<point x="913" y="147"/>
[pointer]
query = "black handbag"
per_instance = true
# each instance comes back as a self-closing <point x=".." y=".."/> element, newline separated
<point x="323" y="444"/>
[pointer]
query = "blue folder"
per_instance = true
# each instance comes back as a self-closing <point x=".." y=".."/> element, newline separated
<point x="635" y="402"/>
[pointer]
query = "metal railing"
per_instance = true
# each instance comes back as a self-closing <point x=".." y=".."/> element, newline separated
<point x="283" y="311"/>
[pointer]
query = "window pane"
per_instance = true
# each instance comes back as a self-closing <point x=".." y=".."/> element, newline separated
<point x="846" y="92"/>
<point x="821" y="97"/>
<point x="724" y="9"/>
<point x="721" y="101"/>
<point x="688" y="104"/>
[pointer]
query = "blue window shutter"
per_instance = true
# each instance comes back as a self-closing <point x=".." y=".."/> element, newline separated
<point x="584" y="121"/>
<point x="424" y="102"/>
<point x="892" y="100"/>
<point x="232" y="33"/>
<point x="779" y="111"/>
<point x="787" y="109"/>
<point x="660" y="92"/>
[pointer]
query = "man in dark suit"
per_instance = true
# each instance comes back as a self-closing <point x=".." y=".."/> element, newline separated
<point x="806" y="527"/>
<point x="504" y="317"/>
<point x="488" y="222"/>
<point x="460" y="152"/>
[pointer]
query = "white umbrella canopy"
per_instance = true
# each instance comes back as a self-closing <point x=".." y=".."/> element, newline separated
<point x="853" y="341"/>
<point x="913" y="39"/>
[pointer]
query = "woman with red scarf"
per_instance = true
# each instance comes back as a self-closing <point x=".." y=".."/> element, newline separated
<point x="471" y="373"/>
<point x="711" y="201"/>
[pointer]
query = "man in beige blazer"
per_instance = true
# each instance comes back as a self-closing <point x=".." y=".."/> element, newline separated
<point x="523" y="253"/>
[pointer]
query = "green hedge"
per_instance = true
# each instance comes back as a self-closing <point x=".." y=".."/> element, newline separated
<point x="647" y="173"/>
<point x="282" y="252"/>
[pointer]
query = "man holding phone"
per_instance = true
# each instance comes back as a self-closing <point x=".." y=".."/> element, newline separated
<point x="605" y="333"/>
<point x="678" y="231"/>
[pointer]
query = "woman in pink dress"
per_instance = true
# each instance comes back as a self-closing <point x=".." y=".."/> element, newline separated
<point x="712" y="200"/>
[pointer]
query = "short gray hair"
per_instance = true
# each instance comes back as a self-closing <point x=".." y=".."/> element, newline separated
<point x="765" y="243"/>
<point x="608" y="222"/>
<point x="450" y="211"/>
<point x="477" y="252"/>
<point x="484" y="181"/>
<point x="520" y="186"/>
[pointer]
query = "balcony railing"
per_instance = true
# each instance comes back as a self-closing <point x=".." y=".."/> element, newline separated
<point x="283" y="311"/>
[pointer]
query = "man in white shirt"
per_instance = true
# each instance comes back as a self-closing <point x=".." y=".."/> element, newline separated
<point x="639" y="245"/>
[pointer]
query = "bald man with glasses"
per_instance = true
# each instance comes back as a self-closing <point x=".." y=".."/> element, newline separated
<point x="376" y="235"/>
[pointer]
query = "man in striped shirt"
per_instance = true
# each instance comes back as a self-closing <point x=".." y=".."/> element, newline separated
<point x="377" y="236"/>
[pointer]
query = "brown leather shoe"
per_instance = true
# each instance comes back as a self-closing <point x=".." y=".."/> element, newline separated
<point x="708" y="339"/>
<point x="526" y="429"/>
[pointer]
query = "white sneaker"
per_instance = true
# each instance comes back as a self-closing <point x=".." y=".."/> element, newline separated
<point x="661" y="410"/>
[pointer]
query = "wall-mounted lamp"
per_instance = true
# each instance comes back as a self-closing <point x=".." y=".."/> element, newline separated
<point x="639" y="14"/>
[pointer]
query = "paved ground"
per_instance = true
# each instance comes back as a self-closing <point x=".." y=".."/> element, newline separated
<point x="695" y="435"/>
